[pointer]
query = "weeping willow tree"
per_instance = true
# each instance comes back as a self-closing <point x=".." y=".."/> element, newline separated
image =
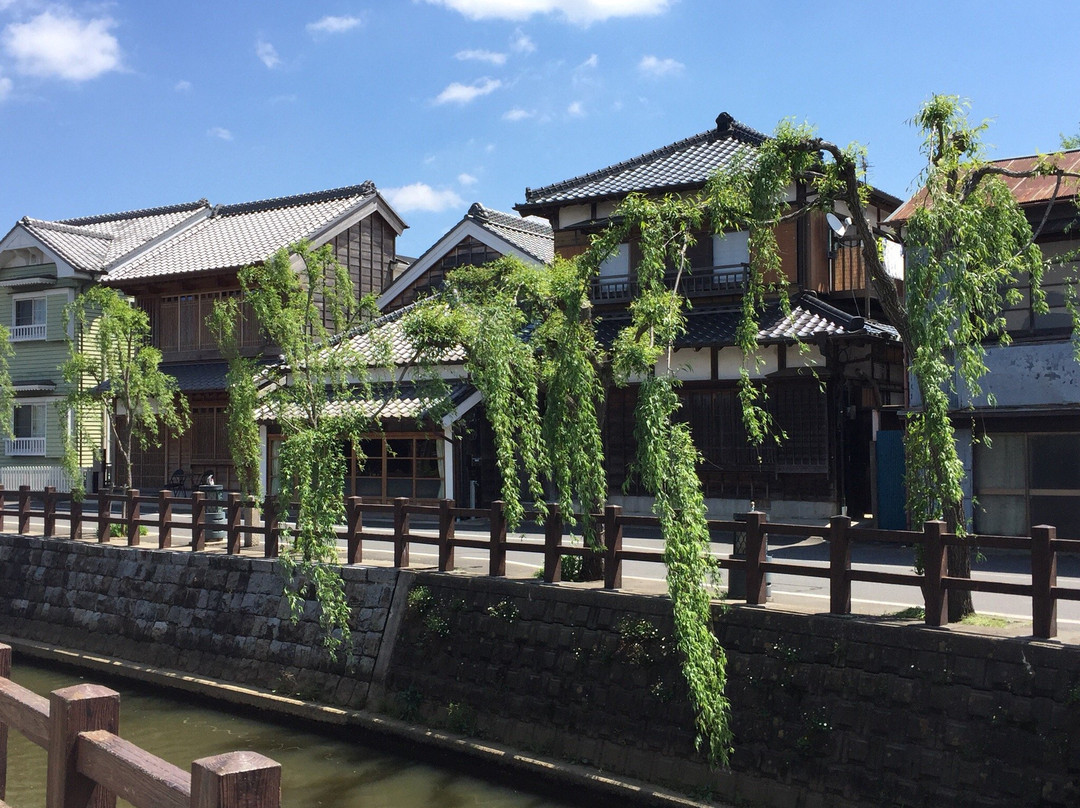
<point x="318" y="393"/>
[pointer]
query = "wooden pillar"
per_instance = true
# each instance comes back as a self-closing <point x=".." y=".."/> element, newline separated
<point x="50" y="510"/>
<point x="401" y="532"/>
<point x="164" y="519"/>
<point x="935" y="564"/>
<point x="81" y="708"/>
<point x="446" y="535"/>
<point x="24" y="509"/>
<point x="755" y="557"/>
<point x="553" y="544"/>
<point x="1043" y="581"/>
<point x="133" y="517"/>
<point x="198" y="508"/>
<point x="497" y="556"/>
<point x="839" y="565"/>
<point x="271" y="538"/>
<point x="236" y="780"/>
<point x="104" y="513"/>
<point x="75" y="521"/>
<point x="613" y="547"/>
<point x="232" y="519"/>
<point x="354" y="529"/>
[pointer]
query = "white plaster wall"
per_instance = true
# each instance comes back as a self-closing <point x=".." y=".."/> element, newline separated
<point x="572" y="214"/>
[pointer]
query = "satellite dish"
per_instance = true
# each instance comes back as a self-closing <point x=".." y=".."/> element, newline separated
<point x="838" y="225"/>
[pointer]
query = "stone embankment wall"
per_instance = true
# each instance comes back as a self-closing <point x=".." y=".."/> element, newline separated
<point x="827" y="711"/>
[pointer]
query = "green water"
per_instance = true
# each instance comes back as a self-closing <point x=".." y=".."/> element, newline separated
<point x="316" y="770"/>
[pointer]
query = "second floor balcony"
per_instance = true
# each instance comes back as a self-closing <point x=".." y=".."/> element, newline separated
<point x="24" y="447"/>
<point x="729" y="279"/>
<point x="24" y="333"/>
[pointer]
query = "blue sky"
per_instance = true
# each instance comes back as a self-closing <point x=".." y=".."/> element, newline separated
<point x="120" y="105"/>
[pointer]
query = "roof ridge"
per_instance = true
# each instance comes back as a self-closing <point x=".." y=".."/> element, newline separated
<point x="64" y="227"/>
<point x="1033" y="156"/>
<point x="136" y="214"/>
<point x="366" y="188"/>
<point x="508" y="220"/>
<point x="726" y="126"/>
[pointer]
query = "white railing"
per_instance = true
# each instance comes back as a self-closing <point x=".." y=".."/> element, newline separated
<point x="20" y="333"/>
<point x="24" y="447"/>
<point x="37" y="477"/>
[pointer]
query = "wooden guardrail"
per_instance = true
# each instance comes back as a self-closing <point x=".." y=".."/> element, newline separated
<point x="88" y="764"/>
<point x="935" y="583"/>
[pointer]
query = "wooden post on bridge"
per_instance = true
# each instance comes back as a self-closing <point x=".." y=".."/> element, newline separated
<point x="839" y="565"/>
<point x="232" y="519"/>
<point x="755" y="557"/>
<point x="354" y="528"/>
<point x="81" y="708"/>
<point x="612" y="547"/>
<point x="50" y="511"/>
<point x="497" y="557"/>
<point x="236" y="779"/>
<point x="76" y="520"/>
<point x="401" y="532"/>
<point x="270" y="524"/>
<point x="132" y="517"/>
<point x="552" y="541"/>
<point x="104" y="509"/>
<point x="1043" y="581"/>
<point x="935" y="563"/>
<point x="198" y="509"/>
<point x="446" y="535"/>
<point x="5" y="673"/>
<point x="24" y="509"/>
<point x="164" y="519"/>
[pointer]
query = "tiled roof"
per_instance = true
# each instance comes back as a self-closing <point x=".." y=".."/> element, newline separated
<point x="195" y="377"/>
<point x="716" y="326"/>
<point x="236" y="235"/>
<point x="94" y="243"/>
<point x="687" y="163"/>
<point x="532" y="235"/>
<point x="383" y="342"/>
<point x="387" y="402"/>
<point x="1027" y="190"/>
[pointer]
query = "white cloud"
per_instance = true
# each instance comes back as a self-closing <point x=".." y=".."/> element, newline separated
<point x="466" y="179"/>
<point x="592" y="61"/>
<point x="422" y="197"/>
<point x="492" y="57"/>
<point x="517" y="114"/>
<point x="60" y="45"/>
<point x="457" y="93"/>
<point x="581" y="12"/>
<point x="575" y="109"/>
<point x="220" y="132"/>
<point x="5" y="87"/>
<point x="333" y="25"/>
<point x="521" y="43"/>
<point x="267" y="54"/>
<point x="183" y="86"/>
<point x="652" y="66"/>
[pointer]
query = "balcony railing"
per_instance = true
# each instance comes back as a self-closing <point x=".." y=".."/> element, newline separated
<point x="24" y="447"/>
<point x="20" y="333"/>
<point x="698" y="282"/>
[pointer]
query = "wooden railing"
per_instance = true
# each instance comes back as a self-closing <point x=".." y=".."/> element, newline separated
<point x="935" y="583"/>
<point x="88" y="764"/>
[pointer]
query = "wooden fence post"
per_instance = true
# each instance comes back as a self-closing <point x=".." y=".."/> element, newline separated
<point x="198" y="508"/>
<point x="497" y="554"/>
<point x="935" y="564"/>
<point x="552" y="544"/>
<point x="164" y="519"/>
<point x="245" y="779"/>
<point x="1043" y="581"/>
<point x="612" y="547"/>
<point x="755" y="557"/>
<point x="50" y="510"/>
<point x="133" y="517"/>
<point x="81" y="708"/>
<point x="232" y="519"/>
<point x="5" y="673"/>
<point x="104" y="508"/>
<point x="839" y="565"/>
<point x="354" y="516"/>
<point x="24" y="509"/>
<point x="446" y="535"/>
<point x="270" y="523"/>
<point x="76" y="520"/>
<point x="401" y="532"/>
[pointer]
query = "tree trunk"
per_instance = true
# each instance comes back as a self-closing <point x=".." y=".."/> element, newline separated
<point x="959" y="565"/>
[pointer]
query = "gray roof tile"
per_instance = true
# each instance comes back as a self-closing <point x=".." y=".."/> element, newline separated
<point x="530" y="234"/>
<point x="236" y="235"/>
<point x="687" y="163"/>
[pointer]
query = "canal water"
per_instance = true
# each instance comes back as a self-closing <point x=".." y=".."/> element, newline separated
<point x="317" y="770"/>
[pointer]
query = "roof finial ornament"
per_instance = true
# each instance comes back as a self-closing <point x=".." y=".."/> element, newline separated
<point x="723" y="122"/>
